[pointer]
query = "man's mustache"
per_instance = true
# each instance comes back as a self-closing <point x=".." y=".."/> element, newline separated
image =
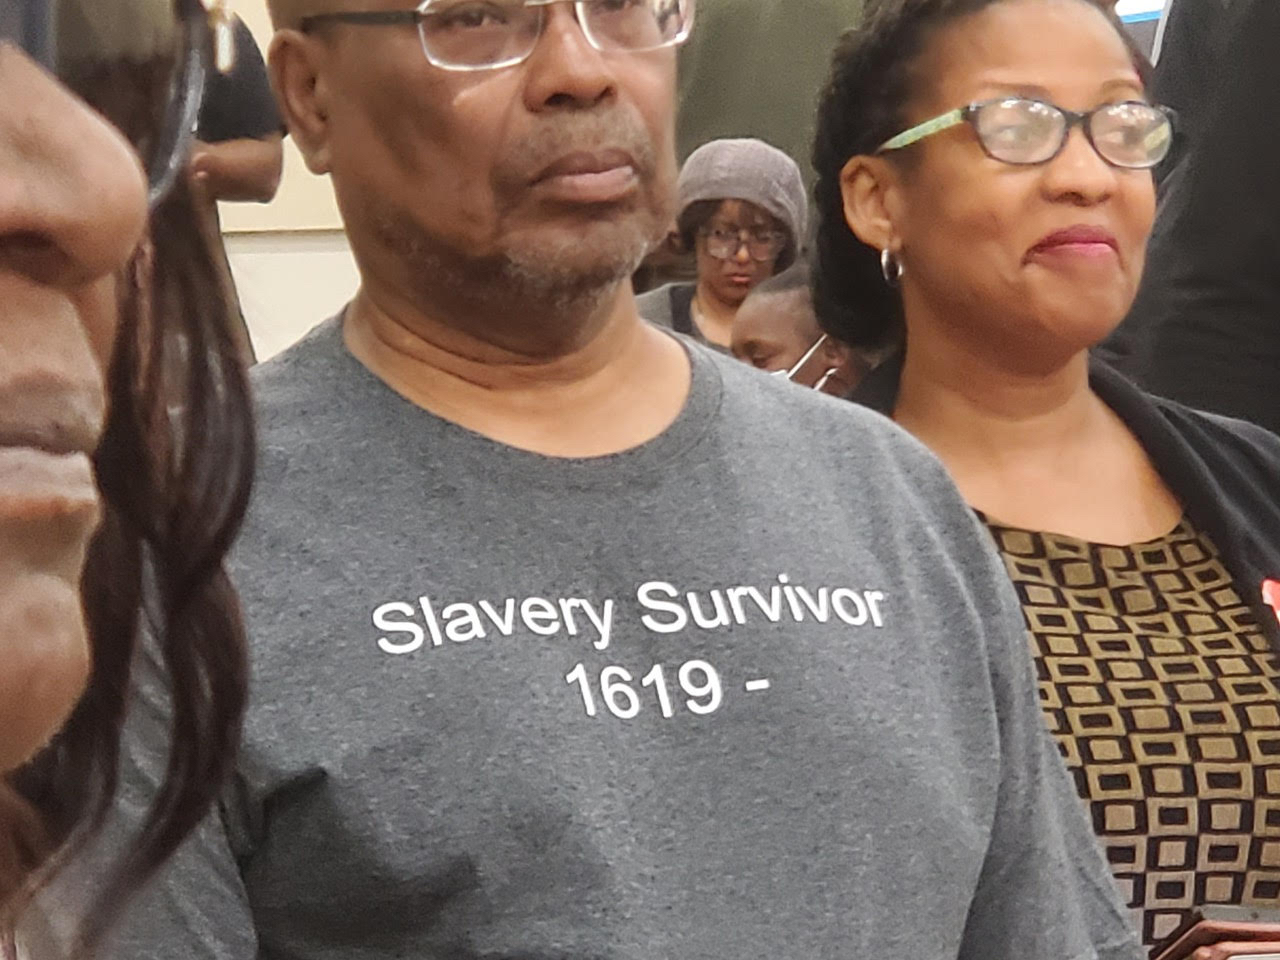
<point x="550" y="143"/>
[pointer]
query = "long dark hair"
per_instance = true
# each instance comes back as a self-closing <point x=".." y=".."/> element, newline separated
<point x="174" y="467"/>
<point x="873" y="77"/>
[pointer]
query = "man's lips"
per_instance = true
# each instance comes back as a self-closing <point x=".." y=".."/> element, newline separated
<point x="584" y="177"/>
<point x="1080" y="239"/>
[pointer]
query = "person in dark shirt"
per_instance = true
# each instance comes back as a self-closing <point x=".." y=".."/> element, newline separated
<point x="238" y="154"/>
<point x="1205" y="328"/>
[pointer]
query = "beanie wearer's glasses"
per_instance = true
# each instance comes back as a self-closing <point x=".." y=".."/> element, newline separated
<point x="140" y="63"/>
<point x="1132" y="135"/>
<point x="488" y="34"/>
<point x="762" y="243"/>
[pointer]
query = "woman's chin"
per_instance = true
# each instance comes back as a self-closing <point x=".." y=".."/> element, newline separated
<point x="1081" y="323"/>
<point x="45" y="649"/>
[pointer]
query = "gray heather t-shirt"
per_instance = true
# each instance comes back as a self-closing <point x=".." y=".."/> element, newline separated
<point x="756" y="689"/>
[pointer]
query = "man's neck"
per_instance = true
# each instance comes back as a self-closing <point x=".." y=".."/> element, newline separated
<point x="602" y="383"/>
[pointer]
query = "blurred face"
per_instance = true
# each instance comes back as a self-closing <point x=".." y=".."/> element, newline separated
<point x="1040" y="261"/>
<point x="553" y="176"/>
<point x="736" y="272"/>
<point x="772" y="331"/>
<point x="72" y="208"/>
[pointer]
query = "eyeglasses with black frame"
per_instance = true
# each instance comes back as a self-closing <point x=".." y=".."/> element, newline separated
<point x="762" y="243"/>
<point x="468" y="35"/>
<point x="1131" y="134"/>
<point x="142" y="64"/>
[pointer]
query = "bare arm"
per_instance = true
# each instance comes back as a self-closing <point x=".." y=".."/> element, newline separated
<point x="240" y="170"/>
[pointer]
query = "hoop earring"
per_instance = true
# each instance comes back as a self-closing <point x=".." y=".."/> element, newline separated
<point x="890" y="267"/>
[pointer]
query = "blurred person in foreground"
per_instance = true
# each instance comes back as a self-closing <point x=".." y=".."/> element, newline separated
<point x="569" y="637"/>
<point x="1205" y="327"/>
<point x="238" y="153"/>
<point x="742" y="212"/>
<point x="125" y="440"/>
<point x="776" y="330"/>
<point x="985" y="197"/>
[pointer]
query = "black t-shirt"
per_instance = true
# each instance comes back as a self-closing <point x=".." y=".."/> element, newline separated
<point x="239" y="105"/>
<point x="1205" y="329"/>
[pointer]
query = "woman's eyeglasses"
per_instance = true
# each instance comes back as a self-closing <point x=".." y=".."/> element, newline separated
<point x="762" y="243"/>
<point x="140" y="63"/>
<point x="1133" y="135"/>
<point x="488" y="34"/>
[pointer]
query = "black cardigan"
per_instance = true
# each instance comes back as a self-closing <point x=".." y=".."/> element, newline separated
<point x="1225" y="472"/>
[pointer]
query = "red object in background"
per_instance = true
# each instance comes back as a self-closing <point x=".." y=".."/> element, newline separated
<point x="1271" y="594"/>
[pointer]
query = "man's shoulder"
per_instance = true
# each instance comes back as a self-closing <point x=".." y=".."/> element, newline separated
<point x="804" y="411"/>
<point x="818" y="431"/>
<point x="302" y="371"/>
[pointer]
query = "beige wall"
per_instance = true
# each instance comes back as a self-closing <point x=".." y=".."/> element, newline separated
<point x="289" y="282"/>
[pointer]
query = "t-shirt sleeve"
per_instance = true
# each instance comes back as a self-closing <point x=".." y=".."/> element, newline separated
<point x="196" y="908"/>
<point x="1045" y="890"/>
<point x="239" y="105"/>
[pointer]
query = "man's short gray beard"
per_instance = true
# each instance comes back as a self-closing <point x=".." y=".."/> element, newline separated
<point x="543" y="275"/>
<point x="536" y="280"/>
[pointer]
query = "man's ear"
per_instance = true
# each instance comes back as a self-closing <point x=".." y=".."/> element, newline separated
<point x="296" y="64"/>
<point x="869" y="188"/>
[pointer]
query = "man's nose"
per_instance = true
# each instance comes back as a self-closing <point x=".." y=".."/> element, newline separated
<point x="73" y="196"/>
<point x="565" y="70"/>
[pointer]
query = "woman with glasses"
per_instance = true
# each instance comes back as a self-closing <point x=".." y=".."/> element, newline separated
<point x="125" y="438"/>
<point x="985" y="197"/>
<point x="742" y="213"/>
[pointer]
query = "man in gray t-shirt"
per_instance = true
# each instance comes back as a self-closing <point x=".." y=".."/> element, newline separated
<point x="571" y="640"/>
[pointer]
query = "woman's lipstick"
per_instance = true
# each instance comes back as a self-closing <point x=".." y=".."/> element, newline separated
<point x="1076" y="241"/>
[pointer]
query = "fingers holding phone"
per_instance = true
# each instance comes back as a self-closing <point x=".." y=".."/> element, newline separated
<point x="1225" y="933"/>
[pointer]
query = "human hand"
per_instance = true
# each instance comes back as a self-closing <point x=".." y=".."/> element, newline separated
<point x="1222" y="940"/>
<point x="1226" y="949"/>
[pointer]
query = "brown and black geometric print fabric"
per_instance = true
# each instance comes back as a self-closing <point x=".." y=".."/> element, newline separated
<point x="1165" y="701"/>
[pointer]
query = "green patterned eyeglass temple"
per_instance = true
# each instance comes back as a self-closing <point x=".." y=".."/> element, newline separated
<point x="946" y="121"/>
<point x="1132" y="134"/>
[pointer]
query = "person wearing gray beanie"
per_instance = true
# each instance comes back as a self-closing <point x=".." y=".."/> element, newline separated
<point x="743" y="211"/>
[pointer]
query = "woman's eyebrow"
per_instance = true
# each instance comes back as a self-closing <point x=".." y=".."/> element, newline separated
<point x="1036" y="92"/>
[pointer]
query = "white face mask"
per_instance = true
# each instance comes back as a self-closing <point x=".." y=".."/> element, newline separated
<point x="799" y="365"/>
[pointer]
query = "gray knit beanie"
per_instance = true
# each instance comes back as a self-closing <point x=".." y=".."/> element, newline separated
<point x="748" y="170"/>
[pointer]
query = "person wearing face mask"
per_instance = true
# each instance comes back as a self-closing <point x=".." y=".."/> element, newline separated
<point x="125" y="436"/>
<point x="743" y="212"/>
<point x="776" y="330"/>
<point x="985" y="197"/>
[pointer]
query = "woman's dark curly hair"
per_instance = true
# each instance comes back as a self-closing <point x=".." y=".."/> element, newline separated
<point x="875" y="73"/>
